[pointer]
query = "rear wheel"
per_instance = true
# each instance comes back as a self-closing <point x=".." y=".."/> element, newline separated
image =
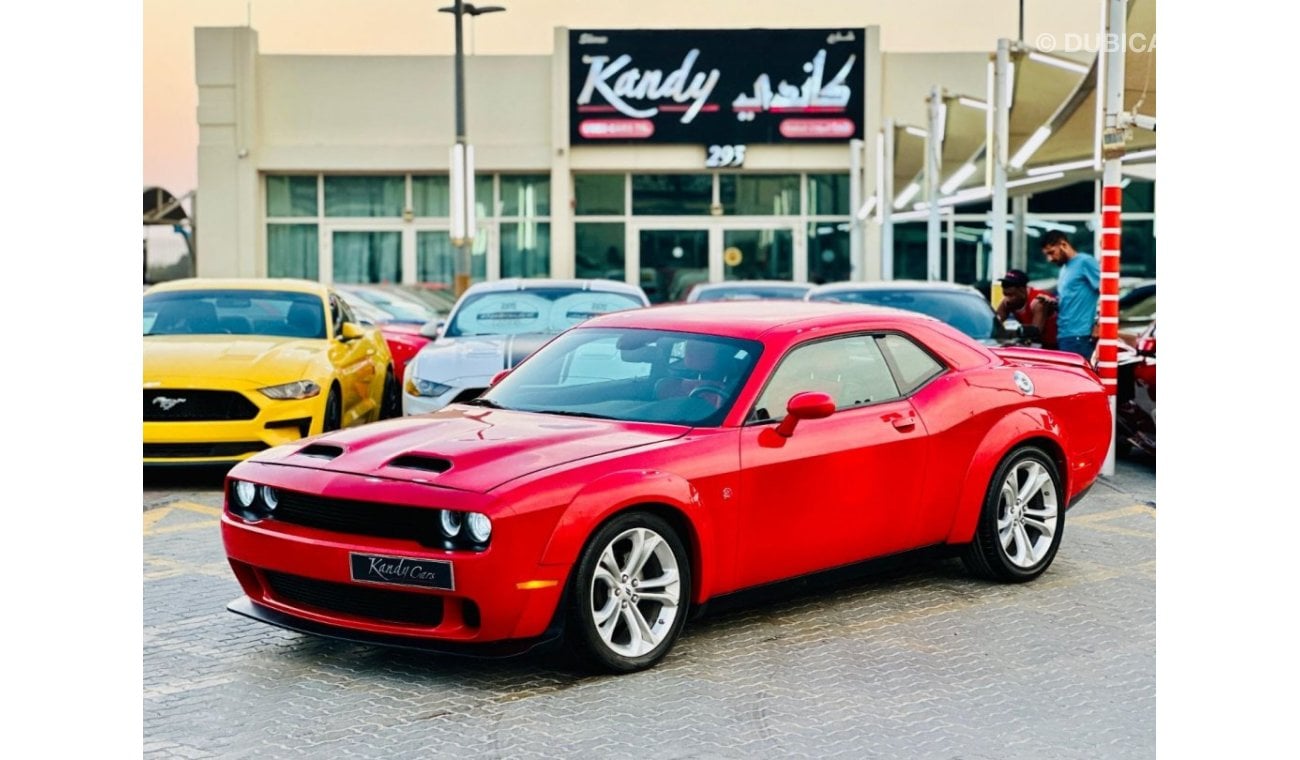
<point x="390" y="404"/>
<point x="333" y="418"/>
<point x="1022" y="521"/>
<point x="630" y="594"/>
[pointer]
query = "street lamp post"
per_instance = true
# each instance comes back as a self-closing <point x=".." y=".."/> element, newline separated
<point x="462" y="156"/>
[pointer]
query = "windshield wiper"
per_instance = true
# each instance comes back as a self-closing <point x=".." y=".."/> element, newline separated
<point x="489" y="403"/>
<point x="577" y="414"/>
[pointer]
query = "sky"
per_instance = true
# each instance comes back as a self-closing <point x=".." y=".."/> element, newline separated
<point x="414" y="27"/>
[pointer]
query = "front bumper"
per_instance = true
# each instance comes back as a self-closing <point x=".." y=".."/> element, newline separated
<point x="227" y="441"/>
<point x="500" y="594"/>
<point x="250" y="609"/>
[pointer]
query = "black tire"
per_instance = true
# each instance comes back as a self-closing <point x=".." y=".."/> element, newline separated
<point x="390" y="404"/>
<point x="333" y="417"/>
<point x="587" y="645"/>
<point x="1029" y="554"/>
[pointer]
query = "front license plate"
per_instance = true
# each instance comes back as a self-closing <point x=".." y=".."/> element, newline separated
<point x="401" y="571"/>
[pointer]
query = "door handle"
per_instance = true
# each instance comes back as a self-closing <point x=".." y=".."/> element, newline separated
<point x="903" y="423"/>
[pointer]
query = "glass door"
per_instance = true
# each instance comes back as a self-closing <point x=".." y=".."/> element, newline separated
<point x="672" y="261"/>
<point x="763" y="253"/>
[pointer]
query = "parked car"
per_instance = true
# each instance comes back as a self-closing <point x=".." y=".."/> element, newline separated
<point x="232" y="367"/>
<point x="1135" y="394"/>
<point x="399" y="307"/>
<point x="747" y="290"/>
<point x="435" y="295"/>
<point x="646" y="462"/>
<point x="404" y="338"/>
<point x="961" y="306"/>
<point x="1137" y="308"/>
<point x="495" y="325"/>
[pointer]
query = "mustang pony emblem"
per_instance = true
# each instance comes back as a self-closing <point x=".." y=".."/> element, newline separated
<point x="167" y="403"/>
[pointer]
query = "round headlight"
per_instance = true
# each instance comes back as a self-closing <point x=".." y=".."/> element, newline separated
<point x="244" y="492"/>
<point x="451" y="522"/>
<point x="270" y="498"/>
<point x="480" y="527"/>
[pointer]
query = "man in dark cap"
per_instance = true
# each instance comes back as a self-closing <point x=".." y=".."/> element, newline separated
<point x="1035" y="309"/>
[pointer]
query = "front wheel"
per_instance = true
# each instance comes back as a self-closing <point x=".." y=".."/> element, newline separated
<point x="333" y="417"/>
<point x="1022" y="521"/>
<point x="390" y="404"/>
<point x="630" y="594"/>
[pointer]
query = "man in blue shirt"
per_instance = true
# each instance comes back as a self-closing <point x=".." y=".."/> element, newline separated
<point x="1077" y="290"/>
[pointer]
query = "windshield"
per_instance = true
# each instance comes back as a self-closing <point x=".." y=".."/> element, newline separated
<point x="631" y="374"/>
<point x="234" y="312"/>
<point x="749" y="293"/>
<point x="967" y="312"/>
<point x="515" y="312"/>
<point x="398" y="308"/>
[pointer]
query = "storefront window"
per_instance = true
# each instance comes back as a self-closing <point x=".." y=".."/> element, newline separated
<point x="363" y="257"/>
<point x="292" y="250"/>
<point x="435" y="258"/>
<point x="600" y="251"/>
<point x="828" y="195"/>
<point x="1137" y="243"/>
<point x="672" y="194"/>
<point x="525" y="249"/>
<point x="364" y="196"/>
<point x="909" y="251"/>
<point x="485" y="204"/>
<point x="828" y="252"/>
<point x="1140" y="196"/>
<point x="431" y="195"/>
<point x="759" y="195"/>
<point x="1077" y="198"/>
<point x="597" y="194"/>
<point x="291" y="196"/>
<point x="527" y="196"/>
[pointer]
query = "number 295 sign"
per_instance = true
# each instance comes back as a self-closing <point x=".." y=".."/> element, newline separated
<point x="724" y="88"/>
<point x="725" y="155"/>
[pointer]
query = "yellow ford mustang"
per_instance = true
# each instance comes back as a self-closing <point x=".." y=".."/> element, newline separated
<point x="232" y="367"/>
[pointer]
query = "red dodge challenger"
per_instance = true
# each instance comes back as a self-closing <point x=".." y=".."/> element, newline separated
<point x="647" y="462"/>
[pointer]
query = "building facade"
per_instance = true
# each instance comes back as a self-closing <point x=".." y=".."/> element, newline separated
<point x="621" y="155"/>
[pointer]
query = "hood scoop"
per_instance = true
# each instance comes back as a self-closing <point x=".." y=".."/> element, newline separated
<point x="422" y="462"/>
<point x="321" y="451"/>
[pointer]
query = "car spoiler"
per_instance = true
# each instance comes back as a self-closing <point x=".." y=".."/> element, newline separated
<point x="1026" y="355"/>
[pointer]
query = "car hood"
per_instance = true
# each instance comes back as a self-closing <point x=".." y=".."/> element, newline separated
<point x="245" y="358"/>
<point x="467" y="448"/>
<point x="474" y="358"/>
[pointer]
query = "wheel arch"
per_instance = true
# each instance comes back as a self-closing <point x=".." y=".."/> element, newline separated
<point x="665" y="495"/>
<point x="1029" y="426"/>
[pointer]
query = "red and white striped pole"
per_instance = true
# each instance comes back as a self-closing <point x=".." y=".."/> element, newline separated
<point x="1112" y="202"/>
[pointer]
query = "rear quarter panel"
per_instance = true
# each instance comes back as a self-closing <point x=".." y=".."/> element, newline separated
<point x="975" y="418"/>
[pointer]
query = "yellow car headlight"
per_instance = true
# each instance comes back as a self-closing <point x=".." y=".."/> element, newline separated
<point x="298" y="389"/>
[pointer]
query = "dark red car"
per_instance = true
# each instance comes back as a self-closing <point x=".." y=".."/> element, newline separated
<point x="650" y="461"/>
<point x="1135" y="394"/>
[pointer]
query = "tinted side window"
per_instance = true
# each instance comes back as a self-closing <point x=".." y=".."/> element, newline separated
<point x="851" y="369"/>
<point x="914" y="365"/>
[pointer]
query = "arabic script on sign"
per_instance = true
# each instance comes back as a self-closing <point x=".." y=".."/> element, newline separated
<point x="810" y="97"/>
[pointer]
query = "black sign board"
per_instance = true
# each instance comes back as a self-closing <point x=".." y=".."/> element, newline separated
<point x="401" y="571"/>
<point x="725" y="87"/>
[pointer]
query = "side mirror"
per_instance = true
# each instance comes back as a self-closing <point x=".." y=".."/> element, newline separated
<point x="809" y="405"/>
<point x="433" y="328"/>
<point x="351" y="331"/>
<point x="498" y="377"/>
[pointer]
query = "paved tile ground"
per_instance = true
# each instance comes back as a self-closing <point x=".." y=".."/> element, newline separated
<point x="921" y="662"/>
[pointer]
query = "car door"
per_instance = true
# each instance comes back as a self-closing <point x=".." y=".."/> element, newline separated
<point x="354" y="362"/>
<point x="837" y="490"/>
